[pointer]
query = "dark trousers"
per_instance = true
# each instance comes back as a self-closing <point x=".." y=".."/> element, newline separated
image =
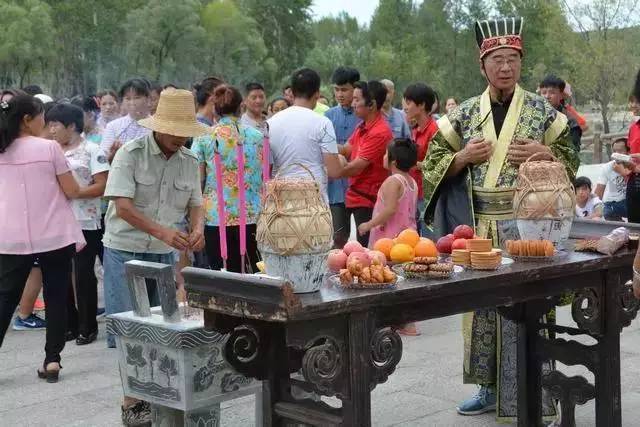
<point x="633" y="198"/>
<point x="361" y="215"/>
<point x="56" y="275"/>
<point x="212" y="242"/>
<point x="83" y="319"/>
<point x="341" y="225"/>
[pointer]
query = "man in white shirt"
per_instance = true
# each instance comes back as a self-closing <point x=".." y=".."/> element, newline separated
<point x="588" y="205"/>
<point x="254" y="100"/>
<point x="612" y="187"/>
<point x="298" y="135"/>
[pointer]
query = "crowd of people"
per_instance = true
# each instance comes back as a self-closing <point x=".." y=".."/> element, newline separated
<point x="170" y="175"/>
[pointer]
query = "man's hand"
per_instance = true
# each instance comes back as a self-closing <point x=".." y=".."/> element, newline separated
<point x="477" y="151"/>
<point x="196" y="240"/>
<point x="174" y="238"/>
<point x="114" y="149"/>
<point x="524" y="148"/>
<point x="623" y="169"/>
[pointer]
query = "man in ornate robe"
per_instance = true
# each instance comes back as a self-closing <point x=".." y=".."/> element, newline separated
<point x="470" y="173"/>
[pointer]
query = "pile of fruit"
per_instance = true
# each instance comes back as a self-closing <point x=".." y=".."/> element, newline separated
<point x="406" y="246"/>
<point x="457" y="240"/>
<point x="373" y="273"/>
<point x="338" y="259"/>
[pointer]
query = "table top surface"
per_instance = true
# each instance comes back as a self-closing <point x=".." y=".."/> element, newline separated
<point x="246" y="300"/>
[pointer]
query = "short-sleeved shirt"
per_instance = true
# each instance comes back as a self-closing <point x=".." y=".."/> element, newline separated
<point x="344" y="123"/>
<point x="225" y="136"/>
<point x="590" y="207"/>
<point x="634" y="138"/>
<point x="123" y="130"/>
<point x="422" y="138"/>
<point x="398" y="122"/>
<point x="369" y="141"/>
<point x="246" y="120"/>
<point x="298" y="135"/>
<point x="615" y="184"/>
<point x="162" y="189"/>
<point x="86" y="161"/>
<point x="35" y="215"/>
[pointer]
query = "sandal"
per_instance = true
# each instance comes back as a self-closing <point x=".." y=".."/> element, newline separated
<point x="51" y="375"/>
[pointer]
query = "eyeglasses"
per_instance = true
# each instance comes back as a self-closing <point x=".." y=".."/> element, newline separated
<point x="500" y="61"/>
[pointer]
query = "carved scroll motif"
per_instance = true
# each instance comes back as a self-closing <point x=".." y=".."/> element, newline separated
<point x="570" y="391"/>
<point x="585" y="310"/>
<point x="386" y="352"/>
<point x="245" y="351"/>
<point x="322" y="365"/>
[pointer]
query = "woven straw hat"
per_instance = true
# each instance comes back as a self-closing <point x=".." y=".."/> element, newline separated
<point x="175" y="115"/>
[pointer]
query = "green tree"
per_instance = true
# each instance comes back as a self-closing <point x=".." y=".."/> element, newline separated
<point x="163" y="38"/>
<point x="26" y="45"/>
<point x="285" y="27"/>
<point x="234" y="47"/>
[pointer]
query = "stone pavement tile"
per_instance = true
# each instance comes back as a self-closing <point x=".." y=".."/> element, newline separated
<point x="449" y="389"/>
<point x="449" y="418"/>
<point x="401" y="406"/>
<point x="240" y="413"/>
<point x="57" y="411"/>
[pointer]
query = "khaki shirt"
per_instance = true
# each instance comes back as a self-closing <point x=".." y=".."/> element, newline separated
<point x="162" y="189"/>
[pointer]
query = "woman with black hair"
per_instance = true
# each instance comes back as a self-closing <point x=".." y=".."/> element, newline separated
<point x="203" y="92"/>
<point x="37" y="183"/>
<point x="91" y="110"/>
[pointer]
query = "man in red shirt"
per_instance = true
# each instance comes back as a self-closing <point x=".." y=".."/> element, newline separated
<point x="366" y="149"/>
<point x="417" y="102"/>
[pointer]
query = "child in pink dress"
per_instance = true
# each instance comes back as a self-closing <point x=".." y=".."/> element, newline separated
<point x="395" y="208"/>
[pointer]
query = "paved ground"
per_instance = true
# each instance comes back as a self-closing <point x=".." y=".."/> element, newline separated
<point x="423" y="391"/>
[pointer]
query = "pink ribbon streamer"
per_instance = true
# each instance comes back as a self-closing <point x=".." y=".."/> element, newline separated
<point x="243" y="205"/>
<point x="222" y="218"/>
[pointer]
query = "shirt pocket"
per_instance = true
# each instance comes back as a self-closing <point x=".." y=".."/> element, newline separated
<point x="183" y="190"/>
<point x="146" y="188"/>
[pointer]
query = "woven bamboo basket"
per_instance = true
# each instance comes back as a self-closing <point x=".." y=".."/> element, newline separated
<point x="544" y="201"/>
<point x="295" y="231"/>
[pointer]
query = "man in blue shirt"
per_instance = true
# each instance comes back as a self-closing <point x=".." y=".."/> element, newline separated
<point x="344" y="123"/>
<point x="395" y="117"/>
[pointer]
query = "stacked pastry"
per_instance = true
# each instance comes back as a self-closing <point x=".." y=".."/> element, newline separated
<point x="461" y="257"/>
<point x="428" y="268"/>
<point x="530" y="248"/>
<point x="488" y="260"/>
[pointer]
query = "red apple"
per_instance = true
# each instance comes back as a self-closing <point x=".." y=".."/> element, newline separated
<point x="353" y="246"/>
<point x="360" y="257"/>
<point x="463" y="232"/>
<point x="336" y="260"/>
<point x="459" y="244"/>
<point x="377" y="255"/>
<point x="444" y="244"/>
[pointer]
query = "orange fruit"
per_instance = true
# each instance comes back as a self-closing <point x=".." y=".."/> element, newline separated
<point x="402" y="253"/>
<point x="384" y="245"/>
<point x="408" y="237"/>
<point x="425" y="248"/>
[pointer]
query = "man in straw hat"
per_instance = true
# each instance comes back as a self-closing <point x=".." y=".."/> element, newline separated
<point x="469" y="174"/>
<point x="153" y="185"/>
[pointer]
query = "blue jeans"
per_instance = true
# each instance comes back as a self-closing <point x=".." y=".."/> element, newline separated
<point x="116" y="291"/>
<point x="615" y="211"/>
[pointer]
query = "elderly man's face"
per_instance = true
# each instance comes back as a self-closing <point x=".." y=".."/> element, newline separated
<point x="169" y="144"/>
<point x="502" y="68"/>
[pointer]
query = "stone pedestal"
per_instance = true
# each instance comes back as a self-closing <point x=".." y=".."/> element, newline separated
<point x="172" y="361"/>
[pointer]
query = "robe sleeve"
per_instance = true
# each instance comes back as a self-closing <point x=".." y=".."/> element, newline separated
<point x="558" y="138"/>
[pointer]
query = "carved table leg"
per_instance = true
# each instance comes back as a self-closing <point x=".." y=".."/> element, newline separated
<point x="357" y="409"/>
<point x="529" y="368"/>
<point x="607" y="375"/>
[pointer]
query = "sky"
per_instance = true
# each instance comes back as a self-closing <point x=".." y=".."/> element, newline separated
<point x="360" y="9"/>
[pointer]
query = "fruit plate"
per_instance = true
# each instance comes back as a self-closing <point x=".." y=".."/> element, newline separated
<point x="399" y="270"/>
<point x="335" y="280"/>
<point x="558" y="254"/>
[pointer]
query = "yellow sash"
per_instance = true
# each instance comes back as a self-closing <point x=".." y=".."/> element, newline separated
<point x="500" y="146"/>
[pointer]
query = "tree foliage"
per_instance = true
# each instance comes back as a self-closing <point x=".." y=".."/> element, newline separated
<point x="80" y="46"/>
